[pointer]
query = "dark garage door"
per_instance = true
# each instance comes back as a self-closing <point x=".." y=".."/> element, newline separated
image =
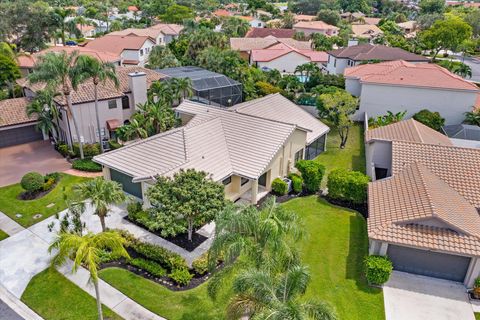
<point x="427" y="263"/>
<point x="128" y="186"/>
<point x="12" y="137"/>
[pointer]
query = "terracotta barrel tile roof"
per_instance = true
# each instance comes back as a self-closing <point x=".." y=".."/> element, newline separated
<point x="265" y="32"/>
<point x="13" y="112"/>
<point x="116" y="44"/>
<point x="316" y="25"/>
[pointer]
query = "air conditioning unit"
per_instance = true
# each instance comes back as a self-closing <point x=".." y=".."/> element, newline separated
<point x="289" y="184"/>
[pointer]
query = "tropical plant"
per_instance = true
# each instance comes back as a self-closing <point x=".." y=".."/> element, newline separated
<point x="235" y="27"/>
<point x="88" y="67"/>
<point x="386" y="119"/>
<point x="56" y="70"/>
<point x="472" y="117"/>
<point x="46" y="112"/>
<point x="85" y="251"/>
<point x="312" y="173"/>
<point x="307" y="69"/>
<point x="431" y="119"/>
<point x="9" y="72"/>
<point x="62" y="14"/>
<point x="161" y="57"/>
<point x="321" y="42"/>
<point x="102" y="194"/>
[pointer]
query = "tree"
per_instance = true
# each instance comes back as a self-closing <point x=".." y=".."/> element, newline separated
<point x="88" y="67"/>
<point x="288" y="20"/>
<point x="235" y="27"/>
<point x="321" y="42"/>
<point x="431" y="6"/>
<point x="227" y="62"/>
<point x="473" y="118"/>
<point x="431" y="119"/>
<point x="161" y="57"/>
<point x="56" y="70"/>
<point x="364" y="6"/>
<point x="473" y="19"/>
<point x="386" y="119"/>
<point x="338" y="107"/>
<point x="116" y="25"/>
<point x="85" y="251"/>
<point x="9" y="71"/>
<point x="176" y="14"/>
<point x="329" y="16"/>
<point x="62" y="14"/>
<point x="202" y="39"/>
<point x="46" y="112"/>
<point x="189" y="194"/>
<point x="307" y="69"/>
<point x="102" y="194"/>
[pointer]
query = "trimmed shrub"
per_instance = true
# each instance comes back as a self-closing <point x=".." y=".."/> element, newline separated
<point x="48" y="184"/>
<point x="166" y="258"/>
<point x="86" y="165"/>
<point x="32" y="182"/>
<point x="114" y="144"/>
<point x="133" y="207"/>
<point x="200" y="265"/>
<point x="312" y="174"/>
<point x="150" y="266"/>
<point x="62" y="148"/>
<point x="348" y="186"/>
<point x="181" y="276"/>
<point x="297" y="182"/>
<point x="89" y="149"/>
<point x="431" y="119"/>
<point x="279" y="187"/>
<point x="377" y="269"/>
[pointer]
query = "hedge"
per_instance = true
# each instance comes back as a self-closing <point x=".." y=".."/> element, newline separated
<point x="150" y="266"/>
<point x="86" y="165"/>
<point x="279" y="187"/>
<point x="200" y="265"/>
<point x="165" y="258"/>
<point x="89" y="149"/>
<point x="431" y="119"/>
<point x="312" y="174"/>
<point x="348" y="186"/>
<point x="181" y="276"/>
<point x="377" y="269"/>
<point x="32" y="182"/>
<point x="297" y="182"/>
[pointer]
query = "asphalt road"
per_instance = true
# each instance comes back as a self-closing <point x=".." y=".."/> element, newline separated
<point x="8" y="314"/>
<point x="474" y="64"/>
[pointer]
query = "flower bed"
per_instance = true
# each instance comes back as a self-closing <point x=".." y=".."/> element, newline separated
<point x="50" y="180"/>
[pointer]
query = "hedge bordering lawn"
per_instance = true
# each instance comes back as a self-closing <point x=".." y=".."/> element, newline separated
<point x="86" y="165"/>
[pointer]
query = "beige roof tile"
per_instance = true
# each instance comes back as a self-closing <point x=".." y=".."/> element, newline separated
<point x="248" y="44"/>
<point x="13" y="111"/>
<point x="117" y="44"/>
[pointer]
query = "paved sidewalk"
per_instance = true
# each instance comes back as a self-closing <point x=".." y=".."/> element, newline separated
<point x="9" y="225"/>
<point x="12" y="308"/>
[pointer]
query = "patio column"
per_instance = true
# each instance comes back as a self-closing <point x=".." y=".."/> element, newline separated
<point x="254" y="191"/>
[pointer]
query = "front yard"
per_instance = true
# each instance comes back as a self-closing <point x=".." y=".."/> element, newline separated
<point x="11" y="205"/>
<point x="3" y="235"/>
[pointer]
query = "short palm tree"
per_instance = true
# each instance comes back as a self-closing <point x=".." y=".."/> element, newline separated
<point x="102" y="194"/>
<point x="185" y="87"/>
<point x="473" y="117"/>
<point x="88" y="67"/>
<point x="261" y="295"/>
<point x="85" y="251"/>
<point x="62" y="15"/>
<point x="463" y="70"/>
<point x="56" y="70"/>
<point x="44" y="108"/>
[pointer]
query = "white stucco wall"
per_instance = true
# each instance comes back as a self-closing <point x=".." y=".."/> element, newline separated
<point x="286" y="63"/>
<point x="353" y="86"/>
<point x="378" y="154"/>
<point x="308" y="31"/>
<point x="378" y="99"/>
<point x="336" y="65"/>
<point x="135" y="54"/>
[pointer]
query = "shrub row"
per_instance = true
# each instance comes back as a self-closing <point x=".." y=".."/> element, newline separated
<point x="150" y="266"/>
<point x="297" y="182"/>
<point x="86" y="165"/>
<point x="181" y="276"/>
<point x="167" y="259"/>
<point x="200" y="265"/>
<point x="348" y="186"/>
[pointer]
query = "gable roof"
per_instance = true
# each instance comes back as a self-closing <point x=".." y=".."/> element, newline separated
<point x="408" y="74"/>
<point x="415" y="207"/>
<point x="316" y="25"/>
<point x="14" y="111"/>
<point x="408" y="130"/>
<point x="118" y="43"/>
<point x="303" y="17"/>
<point x="363" y="52"/>
<point x="248" y="44"/>
<point x="372" y="21"/>
<point x="279" y="50"/>
<point x="365" y="30"/>
<point x="265" y="32"/>
<point x="152" y="32"/>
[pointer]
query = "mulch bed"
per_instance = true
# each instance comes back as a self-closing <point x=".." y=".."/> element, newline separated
<point x="180" y="240"/>
<point x="361" y="208"/>
<point x="36" y="195"/>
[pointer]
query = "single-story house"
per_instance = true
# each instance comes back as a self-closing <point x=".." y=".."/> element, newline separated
<point x="354" y="55"/>
<point x="311" y="27"/>
<point x="246" y="45"/>
<point x="266" y="32"/>
<point x="399" y="86"/>
<point x="245" y="147"/>
<point x="303" y="17"/>
<point x="253" y="21"/>
<point x="423" y="213"/>
<point x="366" y="31"/>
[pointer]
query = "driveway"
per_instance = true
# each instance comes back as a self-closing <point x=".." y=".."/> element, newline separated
<point x="412" y="297"/>
<point x="37" y="156"/>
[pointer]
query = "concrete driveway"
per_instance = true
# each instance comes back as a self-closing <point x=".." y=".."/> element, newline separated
<point x="412" y="297"/>
<point x="37" y="156"/>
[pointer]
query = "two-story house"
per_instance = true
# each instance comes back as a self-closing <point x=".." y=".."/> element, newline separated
<point x="163" y="33"/>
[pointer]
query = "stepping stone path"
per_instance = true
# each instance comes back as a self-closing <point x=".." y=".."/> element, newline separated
<point x="50" y="205"/>
<point x="37" y="216"/>
<point x="19" y="215"/>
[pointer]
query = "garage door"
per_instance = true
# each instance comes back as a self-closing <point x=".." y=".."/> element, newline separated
<point x="427" y="263"/>
<point x="11" y="137"/>
<point x="135" y="189"/>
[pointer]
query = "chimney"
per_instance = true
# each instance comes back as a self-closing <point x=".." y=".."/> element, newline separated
<point x="137" y="82"/>
<point x="352" y="42"/>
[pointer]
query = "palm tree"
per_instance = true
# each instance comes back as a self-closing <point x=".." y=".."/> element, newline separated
<point x="184" y="85"/>
<point x="46" y="111"/>
<point x="307" y="69"/>
<point x="85" y="251"/>
<point x="62" y="14"/>
<point x="81" y="21"/>
<point x="463" y="70"/>
<point x="88" y="67"/>
<point x="102" y="193"/>
<point x="56" y="70"/>
<point x="260" y="295"/>
<point x="472" y="117"/>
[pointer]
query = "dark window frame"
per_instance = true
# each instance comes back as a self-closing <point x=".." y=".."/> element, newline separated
<point x="125" y="103"/>
<point x="110" y="102"/>
<point x="227" y="181"/>
<point x="243" y="181"/>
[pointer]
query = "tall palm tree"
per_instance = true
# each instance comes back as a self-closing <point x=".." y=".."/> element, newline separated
<point x="260" y="295"/>
<point x="81" y="21"/>
<point x="102" y="194"/>
<point x="88" y="67"/>
<point x="184" y="85"/>
<point x="56" y="70"/>
<point x="85" y="250"/>
<point x="46" y="111"/>
<point x="62" y="14"/>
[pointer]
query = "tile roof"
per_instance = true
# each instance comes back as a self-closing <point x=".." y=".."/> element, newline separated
<point x="217" y="141"/>
<point x="265" y="32"/>
<point x="376" y="52"/>
<point x="408" y="130"/>
<point x="248" y="44"/>
<point x="316" y="25"/>
<point x="372" y="21"/>
<point x="222" y="13"/>
<point x="117" y="44"/>
<point x="152" y="32"/>
<point x="13" y="112"/>
<point x="279" y="50"/>
<point x="303" y="17"/>
<point x="415" y="207"/>
<point x="409" y="74"/>
<point x="365" y="30"/>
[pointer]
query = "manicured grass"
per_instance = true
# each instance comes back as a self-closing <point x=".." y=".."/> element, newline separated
<point x="334" y="250"/>
<point x="10" y="205"/>
<point x="477" y="316"/>
<point x="54" y="297"/>
<point x="3" y="235"/>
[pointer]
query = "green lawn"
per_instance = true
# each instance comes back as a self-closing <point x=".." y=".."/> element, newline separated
<point x="3" y="235"/>
<point x="477" y="316"/>
<point x="54" y="297"/>
<point x="10" y="205"/>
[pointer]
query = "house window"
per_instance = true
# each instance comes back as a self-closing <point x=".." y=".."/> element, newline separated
<point x="298" y="155"/>
<point x="125" y="102"/>
<point x="259" y="24"/>
<point x="328" y="59"/>
<point x="227" y="181"/>
<point x="243" y="181"/>
<point x="60" y="115"/>
<point x="141" y="52"/>
<point x="335" y="62"/>
<point x="112" y="104"/>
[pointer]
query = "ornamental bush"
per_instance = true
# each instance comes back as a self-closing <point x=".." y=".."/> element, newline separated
<point x="279" y="187"/>
<point x="297" y="182"/>
<point x="89" y="149"/>
<point x="114" y="144"/>
<point x="200" y="265"/>
<point x="377" y="269"/>
<point x="86" y="165"/>
<point x="165" y="258"/>
<point x="348" y="186"/>
<point x="32" y="182"/>
<point x="150" y="266"/>
<point x="181" y="276"/>
<point x="312" y="174"/>
<point x="431" y="119"/>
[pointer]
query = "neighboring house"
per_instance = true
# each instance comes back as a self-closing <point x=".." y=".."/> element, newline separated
<point x="266" y="32"/>
<point x="162" y="33"/>
<point x="399" y="86"/>
<point x="303" y="17"/>
<point x="115" y="105"/>
<point x="244" y="152"/>
<point x="372" y="21"/>
<point x="408" y="26"/>
<point x="246" y="45"/>
<point x="424" y="216"/>
<point x="134" y="50"/>
<point x="463" y="135"/>
<point x="285" y="58"/>
<point x="311" y="27"/>
<point x="353" y="17"/>
<point x="366" y="31"/>
<point x="253" y="21"/>
<point x="15" y="126"/>
<point x="88" y="31"/>
<point x="354" y="55"/>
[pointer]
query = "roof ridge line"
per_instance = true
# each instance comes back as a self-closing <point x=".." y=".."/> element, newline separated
<point x="424" y="185"/>
<point x="417" y="130"/>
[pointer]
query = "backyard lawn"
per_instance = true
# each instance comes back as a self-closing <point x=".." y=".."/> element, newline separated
<point x="3" y="235"/>
<point x="54" y="297"/>
<point x="10" y="205"/>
